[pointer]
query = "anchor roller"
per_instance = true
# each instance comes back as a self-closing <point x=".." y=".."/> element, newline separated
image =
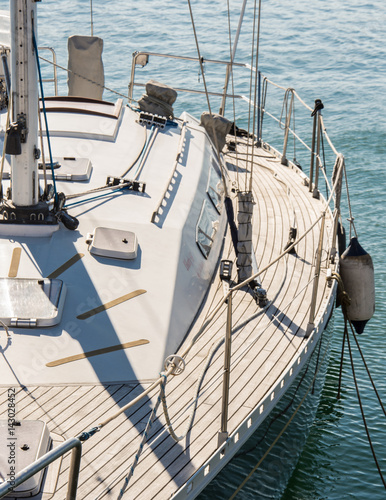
<point x="357" y="272"/>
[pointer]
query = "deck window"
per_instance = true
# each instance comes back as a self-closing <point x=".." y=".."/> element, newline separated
<point x="207" y="227"/>
<point x="215" y="188"/>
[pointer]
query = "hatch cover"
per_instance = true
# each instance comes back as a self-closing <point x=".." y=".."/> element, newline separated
<point x="21" y="444"/>
<point x="31" y="303"/>
<point x="114" y="243"/>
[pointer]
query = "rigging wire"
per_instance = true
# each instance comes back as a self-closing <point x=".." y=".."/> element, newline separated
<point x="200" y="58"/>
<point x="231" y="53"/>
<point x="45" y="114"/>
<point x="91" y="19"/>
<point x="255" y="91"/>
<point x="201" y="61"/>
<point x="253" y="88"/>
<point x="345" y="302"/>
<point x="361" y="406"/>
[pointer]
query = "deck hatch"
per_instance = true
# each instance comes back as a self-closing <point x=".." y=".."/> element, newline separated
<point x="66" y="168"/>
<point x="31" y="302"/>
<point x="114" y="243"/>
<point x="22" y="443"/>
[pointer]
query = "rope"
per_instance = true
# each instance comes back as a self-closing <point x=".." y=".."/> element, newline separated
<point x="345" y="301"/>
<point x="144" y="437"/>
<point x="338" y="190"/>
<point x="362" y="411"/>
<point x="327" y="136"/>
<point x="45" y="114"/>
<point x="146" y="150"/>
<point x="92" y="198"/>
<point x="195" y="397"/>
<point x="95" y="190"/>
<point x="351" y="218"/>
<point x="240" y="487"/>
<point x="368" y="372"/>
<point x="4" y="147"/>
<point x="42" y="149"/>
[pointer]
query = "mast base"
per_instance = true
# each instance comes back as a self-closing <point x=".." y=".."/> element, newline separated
<point x="38" y="214"/>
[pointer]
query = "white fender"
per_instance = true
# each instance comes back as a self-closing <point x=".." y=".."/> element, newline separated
<point x="357" y="272"/>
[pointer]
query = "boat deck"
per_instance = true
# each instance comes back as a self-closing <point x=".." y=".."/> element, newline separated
<point x="269" y="347"/>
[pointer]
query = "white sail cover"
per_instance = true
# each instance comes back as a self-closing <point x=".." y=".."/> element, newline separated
<point x="85" y="59"/>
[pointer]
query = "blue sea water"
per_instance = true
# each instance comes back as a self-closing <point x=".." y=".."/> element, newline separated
<point x="334" y="51"/>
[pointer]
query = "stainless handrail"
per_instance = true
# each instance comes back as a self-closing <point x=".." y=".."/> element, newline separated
<point x="284" y="160"/>
<point x="73" y="444"/>
<point x="137" y="55"/>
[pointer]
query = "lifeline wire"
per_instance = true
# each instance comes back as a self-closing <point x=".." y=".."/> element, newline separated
<point x="231" y="53"/>
<point x="250" y="101"/>
<point x="255" y="89"/>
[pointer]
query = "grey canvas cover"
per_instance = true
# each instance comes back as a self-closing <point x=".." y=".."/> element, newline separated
<point x="86" y="75"/>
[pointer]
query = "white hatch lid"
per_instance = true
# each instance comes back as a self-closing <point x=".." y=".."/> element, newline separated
<point x="114" y="243"/>
<point x="31" y="303"/>
<point x="22" y="443"/>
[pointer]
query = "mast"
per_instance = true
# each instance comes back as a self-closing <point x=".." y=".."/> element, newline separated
<point x="25" y="102"/>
